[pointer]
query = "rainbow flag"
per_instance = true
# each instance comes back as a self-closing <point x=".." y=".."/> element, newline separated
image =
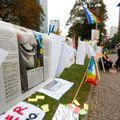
<point x="91" y="18"/>
<point x="91" y="75"/>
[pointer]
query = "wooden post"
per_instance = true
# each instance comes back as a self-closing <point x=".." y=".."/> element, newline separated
<point x="102" y="64"/>
<point x="97" y="70"/>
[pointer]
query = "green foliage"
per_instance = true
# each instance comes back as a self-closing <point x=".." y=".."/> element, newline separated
<point x="116" y="39"/>
<point x="78" y="21"/>
<point x="26" y="13"/>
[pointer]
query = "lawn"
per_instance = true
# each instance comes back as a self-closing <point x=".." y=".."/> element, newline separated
<point x="73" y="74"/>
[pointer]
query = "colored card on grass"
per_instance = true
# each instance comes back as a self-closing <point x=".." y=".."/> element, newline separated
<point x="76" y="102"/>
<point x="32" y="100"/>
<point x="40" y="97"/>
<point x="45" y="108"/>
<point x="83" y="112"/>
<point x="86" y="107"/>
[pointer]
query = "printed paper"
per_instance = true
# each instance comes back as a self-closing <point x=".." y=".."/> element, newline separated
<point x="56" y="88"/>
<point x="3" y="55"/>
<point x="83" y="112"/>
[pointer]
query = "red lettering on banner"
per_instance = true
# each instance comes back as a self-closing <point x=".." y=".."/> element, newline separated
<point x="19" y="110"/>
<point x="10" y="117"/>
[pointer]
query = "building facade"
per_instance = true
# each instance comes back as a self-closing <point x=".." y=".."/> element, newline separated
<point x="113" y="30"/>
<point x="44" y="4"/>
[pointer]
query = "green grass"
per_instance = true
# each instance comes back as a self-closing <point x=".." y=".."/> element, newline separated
<point x="73" y="74"/>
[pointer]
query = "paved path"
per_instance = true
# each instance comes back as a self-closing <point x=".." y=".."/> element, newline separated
<point x="104" y="99"/>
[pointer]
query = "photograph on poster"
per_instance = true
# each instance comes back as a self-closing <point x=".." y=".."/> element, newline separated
<point x="30" y="47"/>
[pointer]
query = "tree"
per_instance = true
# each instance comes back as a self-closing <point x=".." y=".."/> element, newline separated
<point x="116" y="38"/>
<point x="78" y="21"/>
<point x="26" y="13"/>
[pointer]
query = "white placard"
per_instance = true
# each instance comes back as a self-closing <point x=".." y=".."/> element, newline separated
<point x="81" y="53"/>
<point x="66" y="54"/>
<point x="56" y="88"/>
<point x="55" y="24"/>
<point x="90" y="51"/>
<point x="56" y="47"/>
<point x="23" y="111"/>
<point x="95" y="35"/>
<point x="10" y="85"/>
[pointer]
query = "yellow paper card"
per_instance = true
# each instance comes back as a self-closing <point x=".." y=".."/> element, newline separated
<point x="76" y="102"/>
<point x="32" y="99"/>
<point x="86" y="107"/>
<point x="45" y="108"/>
<point x="40" y="97"/>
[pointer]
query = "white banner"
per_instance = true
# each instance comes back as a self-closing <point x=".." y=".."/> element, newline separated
<point x="56" y="48"/>
<point x="23" y="111"/>
<point x="81" y="53"/>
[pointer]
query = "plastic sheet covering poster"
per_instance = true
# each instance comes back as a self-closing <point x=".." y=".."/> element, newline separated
<point x="22" y="63"/>
<point x="3" y="55"/>
<point x="56" y="88"/>
<point x="66" y="113"/>
<point x="10" y="85"/>
<point x="23" y="111"/>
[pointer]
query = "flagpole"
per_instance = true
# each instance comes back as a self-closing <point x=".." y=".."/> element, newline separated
<point x="80" y="83"/>
<point x="96" y="27"/>
<point x="97" y="70"/>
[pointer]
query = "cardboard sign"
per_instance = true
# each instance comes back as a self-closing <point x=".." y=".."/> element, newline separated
<point x="23" y="111"/>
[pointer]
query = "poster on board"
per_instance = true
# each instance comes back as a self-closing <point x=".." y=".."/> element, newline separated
<point x="55" y="25"/>
<point x="24" y="64"/>
<point x="95" y="34"/>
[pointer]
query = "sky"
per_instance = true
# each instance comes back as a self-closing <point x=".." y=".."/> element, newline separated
<point x="60" y="9"/>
